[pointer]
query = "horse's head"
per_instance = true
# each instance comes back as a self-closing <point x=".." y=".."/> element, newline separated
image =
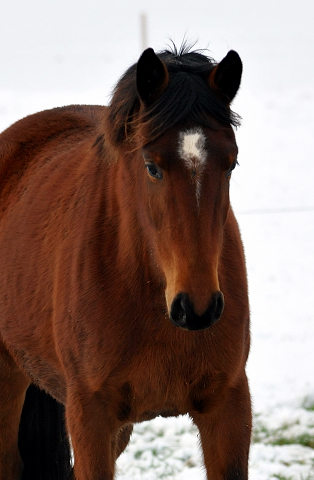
<point x="186" y="142"/>
<point x="188" y="174"/>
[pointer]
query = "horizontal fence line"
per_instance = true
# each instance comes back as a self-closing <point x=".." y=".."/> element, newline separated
<point x="264" y="211"/>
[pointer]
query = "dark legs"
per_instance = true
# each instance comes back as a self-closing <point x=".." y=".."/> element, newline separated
<point x="43" y="440"/>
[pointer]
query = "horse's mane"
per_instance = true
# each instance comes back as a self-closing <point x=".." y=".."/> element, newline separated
<point x="186" y="98"/>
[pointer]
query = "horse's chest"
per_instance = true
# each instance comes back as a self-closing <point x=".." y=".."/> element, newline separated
<point x="171" y="386"/>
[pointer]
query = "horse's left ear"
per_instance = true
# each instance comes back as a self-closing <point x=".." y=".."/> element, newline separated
<point x="152" y="77"/>
<point x="225" y="78"/>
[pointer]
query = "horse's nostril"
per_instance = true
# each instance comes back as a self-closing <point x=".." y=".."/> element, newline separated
<point x="178" y="309"/>
<point x="218" y="305"/>
<point x="182" y="313"/>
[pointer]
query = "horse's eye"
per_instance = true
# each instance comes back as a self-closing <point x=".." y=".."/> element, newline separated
<point x="154" y="171"/>
<point x="229" y="171"/>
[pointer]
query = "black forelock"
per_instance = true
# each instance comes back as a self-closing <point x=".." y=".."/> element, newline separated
<point x="187" y="97"/>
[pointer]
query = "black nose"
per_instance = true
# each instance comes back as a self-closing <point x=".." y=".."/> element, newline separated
<point x="182" y="313"/>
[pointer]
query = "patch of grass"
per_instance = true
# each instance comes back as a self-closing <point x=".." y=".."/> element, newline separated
<point x="308" y="404"/>
<point x="281" y="477"/>
<point x="306" y="440"/>
<point x="287" y="434"/>
<point x="280" y="436"/>
<point x="138" y="454"/>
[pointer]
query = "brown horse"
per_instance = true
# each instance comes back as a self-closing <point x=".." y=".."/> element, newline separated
<point x="123" y="291"/>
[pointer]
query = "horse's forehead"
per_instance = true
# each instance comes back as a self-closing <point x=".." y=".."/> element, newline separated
<point x="192" y="150"/>
<point x="192" y="147"/>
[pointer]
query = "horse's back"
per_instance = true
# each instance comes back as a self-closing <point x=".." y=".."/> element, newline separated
<point x="21" y="142"/>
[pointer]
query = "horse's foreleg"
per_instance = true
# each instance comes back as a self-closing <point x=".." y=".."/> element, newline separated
<point x="226" y="435"/>
<point x="93" y="430"/>
<point x="13" y="386"/>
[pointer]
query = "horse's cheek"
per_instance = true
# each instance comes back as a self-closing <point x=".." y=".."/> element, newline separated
<point x="155" y="211"/>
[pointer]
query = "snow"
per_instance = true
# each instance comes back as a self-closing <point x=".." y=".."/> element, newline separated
<point x="72" y="52"/>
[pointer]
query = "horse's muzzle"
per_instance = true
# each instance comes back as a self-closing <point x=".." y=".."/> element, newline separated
<point x="182" y="313"/>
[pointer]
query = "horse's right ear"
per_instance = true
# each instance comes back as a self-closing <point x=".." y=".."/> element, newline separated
<point x="152" y="77"/>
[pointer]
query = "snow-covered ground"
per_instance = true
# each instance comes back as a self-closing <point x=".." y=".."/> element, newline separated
<point x="56" y="53"/>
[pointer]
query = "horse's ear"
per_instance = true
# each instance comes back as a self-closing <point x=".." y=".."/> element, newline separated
<point x="152" y="77"/>
<point x="225" y="78"/>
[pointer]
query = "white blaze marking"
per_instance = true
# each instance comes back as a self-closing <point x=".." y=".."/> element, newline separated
<point x="192" y="151"/>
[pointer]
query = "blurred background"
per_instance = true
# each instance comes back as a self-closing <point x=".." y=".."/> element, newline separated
<point x="78" y="46"/>
<point x="62" y="52"/>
